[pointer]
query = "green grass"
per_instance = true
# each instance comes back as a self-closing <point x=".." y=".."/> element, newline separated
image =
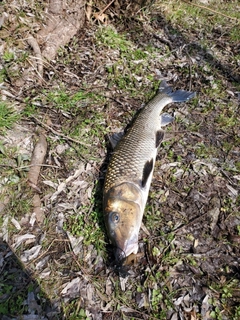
<point x="81" y="224"/>
<point x="191" y="16"/>
<point x="8" y="56"/>
<point x="109" y="37"/>
<point x="226" y="290"/>
<point x="234" y="33"/>
<point x="8" y="117"/>
<point x="72" y="103"/>
<point x="72" y="314"/>
<point x="130" y="71"/>
<point x="83" y="115"/>
<point x="14" y="164"/>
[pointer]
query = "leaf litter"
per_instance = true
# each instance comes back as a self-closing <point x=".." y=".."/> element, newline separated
<point x="189" y="262"/>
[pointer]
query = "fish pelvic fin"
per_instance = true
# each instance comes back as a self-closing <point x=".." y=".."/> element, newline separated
<point x="165" y="119"/>
<point x="115" y="138"/>
<point x="177" y="96"/>
<point x="148" y="168"/>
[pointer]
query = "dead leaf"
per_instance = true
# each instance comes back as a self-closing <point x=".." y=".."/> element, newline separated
<point x="101" y="17"/>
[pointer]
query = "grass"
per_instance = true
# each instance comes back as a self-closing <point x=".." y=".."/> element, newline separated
<point x="225" y="290"/>
<point x="80" y="225"/>
<point x="15" y="165"/>
<point x="86" y="114"/>
<point x="191" y="16"/>
<point x="8" y="117"/>
<point x="130" y="70"/>
<point x="72" y="103"/>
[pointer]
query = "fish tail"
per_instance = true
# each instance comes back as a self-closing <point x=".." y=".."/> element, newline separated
<point x="177" y="96"/>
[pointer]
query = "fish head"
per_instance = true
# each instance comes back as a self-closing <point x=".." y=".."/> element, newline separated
<point x="123" y="218"/>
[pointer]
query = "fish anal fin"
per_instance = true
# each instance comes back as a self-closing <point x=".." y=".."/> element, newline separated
<point x="159" y="137"/>
<point x="148" y="167"/>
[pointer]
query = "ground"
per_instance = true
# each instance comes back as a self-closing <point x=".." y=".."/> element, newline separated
<point x="56" y="261"/>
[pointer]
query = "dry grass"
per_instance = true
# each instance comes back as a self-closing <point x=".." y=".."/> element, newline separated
<point x="63" y="267"/>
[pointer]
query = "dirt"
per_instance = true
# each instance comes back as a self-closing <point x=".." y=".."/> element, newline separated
<point x="188" y="267"/>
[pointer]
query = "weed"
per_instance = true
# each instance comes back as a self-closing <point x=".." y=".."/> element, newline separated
<point x="29" y="109"/>
<point x="12" y="302"/>
<point x="110" y="38"/>
<point x="8" y="116"/>
<point x="234" y="34"/>
<point x="216" y="313"/>
<point x="236" y="314"/>
<point x="130" y="66"/>
<point x="238" y="229"/>
<point x="82" y="223"/>
<point x="227" y="121"/>
<point x="72" y="314"/>
<point x="3" y="74"/>
<point x="226" y="290"/>
<point x="8" y="56"/>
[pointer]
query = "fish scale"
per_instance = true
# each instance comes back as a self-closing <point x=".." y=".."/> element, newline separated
<point x="130" y="170"/>
<point x="136" y="147"/>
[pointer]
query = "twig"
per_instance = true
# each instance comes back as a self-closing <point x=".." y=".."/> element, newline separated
<point x="184" y="226"/>
<point x="190" y="70"/>
<point x="33" y="43"/>
<point x="38" y="156"/>
<point x="28" y="166"/>
<point x="214" y="11"/>
<point x="47" y="252"/>
<point x="107" y="6"/>
<point x="163" y="40"/>
<point x="60" y="134"/>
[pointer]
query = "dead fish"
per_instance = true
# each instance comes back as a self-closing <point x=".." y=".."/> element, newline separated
<point x="130" y="171"/>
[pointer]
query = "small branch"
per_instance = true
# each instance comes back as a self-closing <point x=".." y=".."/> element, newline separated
<point x="163" y="40"/>
<point x="28" y="166"/>
<point x="36" y="164"/>
<point x="38" y="156"/>
<point x="104" y="9"/>
<point x="211" y="10"/>
<point x="190" y="70"/>
<point x="60" y="134"/>
<point x="38" y="55"/>
<point x="184" y="226"/>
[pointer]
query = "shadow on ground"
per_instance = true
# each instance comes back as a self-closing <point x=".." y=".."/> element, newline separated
<point x="21" y="297"/>
<point x="200" y="204"/>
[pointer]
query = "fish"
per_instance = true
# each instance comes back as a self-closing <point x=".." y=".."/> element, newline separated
<point x="130" y="170"/>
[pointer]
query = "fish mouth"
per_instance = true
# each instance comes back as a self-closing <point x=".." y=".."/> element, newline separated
<point x="129" y="247"/>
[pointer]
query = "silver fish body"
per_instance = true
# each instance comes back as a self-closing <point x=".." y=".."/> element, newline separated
<point x="130" y="171"/>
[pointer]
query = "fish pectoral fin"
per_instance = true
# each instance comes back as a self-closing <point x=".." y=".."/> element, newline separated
<point x="159" y="138"/>
<point x="115" y="138"/>
<point x="165" y="119"/>
<point x="148" y="168"/>
<point x="145" y="230"/>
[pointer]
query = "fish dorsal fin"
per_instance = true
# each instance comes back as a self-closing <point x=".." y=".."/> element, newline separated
<point x="115" y="138"/>
<point x="148" y="167"/>
<point x="159" y="137"/>
<point x="165" y="119"/>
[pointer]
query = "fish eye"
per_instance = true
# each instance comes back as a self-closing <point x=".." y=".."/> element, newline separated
<point x="114" y="216"/>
